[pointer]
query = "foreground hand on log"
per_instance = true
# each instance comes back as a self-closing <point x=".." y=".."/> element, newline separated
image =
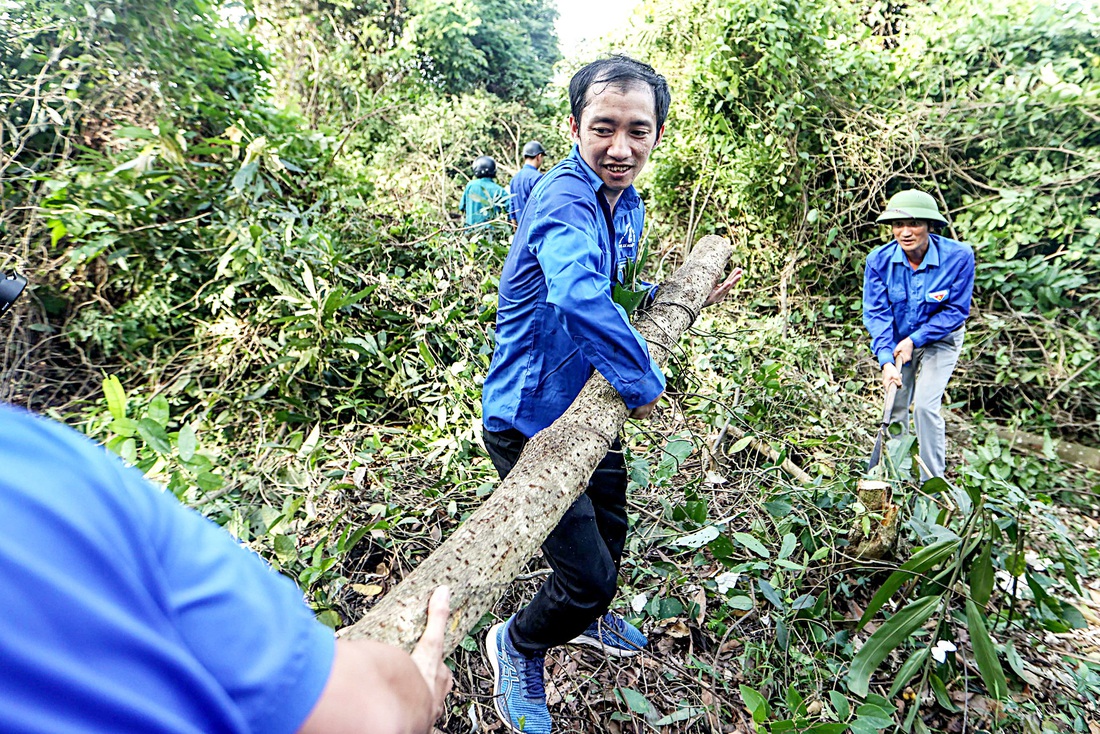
<point x="489" y="550"/>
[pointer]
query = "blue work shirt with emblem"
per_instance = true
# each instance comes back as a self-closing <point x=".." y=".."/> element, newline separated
<point x="520" y="189"/>
<point x="925" y="304"/>
<point x="556" y="320"/>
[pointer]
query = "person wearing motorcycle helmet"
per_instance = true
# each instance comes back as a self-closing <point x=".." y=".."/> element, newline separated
<point x="916" y="299"/>
<point x="525" y="179"/>
<point x="483" y="199"/>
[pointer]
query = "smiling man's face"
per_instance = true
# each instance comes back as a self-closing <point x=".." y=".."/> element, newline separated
<point x="616" y="133"/>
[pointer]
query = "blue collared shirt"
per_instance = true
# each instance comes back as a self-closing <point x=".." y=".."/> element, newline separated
<point x="556" y="320"/>
<point x="925" y="304"/>
<point x="123" y="610"/>
<point x="520" y="188"/>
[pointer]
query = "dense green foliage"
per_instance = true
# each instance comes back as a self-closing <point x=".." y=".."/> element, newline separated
<point x="248" y="280"/>
<point x="805" y="116"/>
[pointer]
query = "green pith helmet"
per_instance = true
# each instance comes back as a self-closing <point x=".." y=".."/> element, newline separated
<point x="911" y="204"/>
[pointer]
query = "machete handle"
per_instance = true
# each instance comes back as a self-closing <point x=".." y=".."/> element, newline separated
<point x="888" y="404"/>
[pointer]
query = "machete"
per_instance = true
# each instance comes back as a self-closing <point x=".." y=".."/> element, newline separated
<point x="884" y="427"/>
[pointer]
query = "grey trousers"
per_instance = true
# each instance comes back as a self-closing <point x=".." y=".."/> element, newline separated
<point x="923" y="381"/>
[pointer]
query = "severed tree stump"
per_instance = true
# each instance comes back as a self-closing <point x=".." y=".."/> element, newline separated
<point x="491" y="548"/>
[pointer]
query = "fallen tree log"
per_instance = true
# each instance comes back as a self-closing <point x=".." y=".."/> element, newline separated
<point x="489" y="550"/>
<point x="1032" y="443"/>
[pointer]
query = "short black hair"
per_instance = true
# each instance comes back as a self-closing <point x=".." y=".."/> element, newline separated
<point x="622" y="71"/>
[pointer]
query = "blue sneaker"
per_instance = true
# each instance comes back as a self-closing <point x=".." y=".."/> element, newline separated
<point x="518" y="690"/>
<point x="614" y="635"/>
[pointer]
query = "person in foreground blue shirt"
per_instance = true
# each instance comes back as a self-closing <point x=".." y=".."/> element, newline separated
<point x="556" y="323"/>
<point x="525" y="179"/>
<point x="125" y="611"/>
<point x="916" y="299"/>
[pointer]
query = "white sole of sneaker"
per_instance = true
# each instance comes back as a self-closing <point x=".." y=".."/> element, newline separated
<point x="493" y="651"/>
<point x="612" y="651"/>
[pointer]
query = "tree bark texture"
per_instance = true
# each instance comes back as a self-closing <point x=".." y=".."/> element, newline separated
<point x="484" y="554"/>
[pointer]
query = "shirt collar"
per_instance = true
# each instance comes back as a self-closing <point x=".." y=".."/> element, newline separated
<point x="931" y="258"/>
<point x="628" y="200"/>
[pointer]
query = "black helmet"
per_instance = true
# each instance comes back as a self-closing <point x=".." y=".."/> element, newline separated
<point x="533" y="149"/>
<point x="11" y="285"/>
<point x="484" y="167"/>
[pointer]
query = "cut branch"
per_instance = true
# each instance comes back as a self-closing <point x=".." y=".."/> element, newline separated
<point x="491" y="548"/>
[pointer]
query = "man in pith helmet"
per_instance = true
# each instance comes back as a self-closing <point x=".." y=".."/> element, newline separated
<point x="916" y="299"/>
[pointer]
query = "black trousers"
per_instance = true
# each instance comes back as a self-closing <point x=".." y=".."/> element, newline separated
<point x="583" y="550"/>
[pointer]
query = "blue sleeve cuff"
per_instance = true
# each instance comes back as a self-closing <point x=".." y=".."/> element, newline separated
<point x="645" y="389"/>
<point x="884" y="356"/>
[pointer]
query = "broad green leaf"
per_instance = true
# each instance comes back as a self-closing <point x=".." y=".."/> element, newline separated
<point x="831" y="728"/>
<point x="330" y="618"/>
<point x="1014" y="660"/>
<point x="877" y="716"/>
<point x="116" y="396"/>
<point x="752" y="544"/>
<point x="981" y="576"/>
<point x="159" y="412"/>
<point x="924" y="559"/>
<point x="123" y="427"/>
<point x="740" y="603"/>
<point x="154" y="435"/>
<point x="794" y="702"/>
<point x="909" y="669"/>
<point x="209" y="482"/>
<point x="187" y="442"/>
<point x="840" y="704"/>
<point x="778" y="508"/>
<point x="770" y="594"/>
<point x="244" y="176"/>
<point x="755" y="703"/>
<point x="741" y="444"/>
<point x="985" y="654"/>
<point x="939" y="690"/>
<point x="669" y="608"/>
<point x="721" y="547"/>
<point x="789" y="543"/>
<point x="634" y="700"/>
<point x="892" y="633"/>
<point x="128" y="450"/>
<point x="286" y="548"/>
<point x="679" y="715"/>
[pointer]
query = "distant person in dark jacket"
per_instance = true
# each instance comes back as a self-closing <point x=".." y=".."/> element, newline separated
<point x="525" y="179"/>
<point x="484" y="199"/>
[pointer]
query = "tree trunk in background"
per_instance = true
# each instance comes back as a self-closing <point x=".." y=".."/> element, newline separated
<point x="1073" y="453"/>
<point x="490" y="549"/>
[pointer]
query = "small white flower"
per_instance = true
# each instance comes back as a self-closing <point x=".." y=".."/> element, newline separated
<point x="727" y="581"/>
<point x="939" y="652"/>
<point x="638" y="602"/>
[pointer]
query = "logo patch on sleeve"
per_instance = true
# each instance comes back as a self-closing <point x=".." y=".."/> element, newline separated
<point x="938" y="296"/>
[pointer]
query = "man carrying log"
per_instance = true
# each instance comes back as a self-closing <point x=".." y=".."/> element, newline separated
<point x="556" y="322"/>
<point x="916" y="299"/>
